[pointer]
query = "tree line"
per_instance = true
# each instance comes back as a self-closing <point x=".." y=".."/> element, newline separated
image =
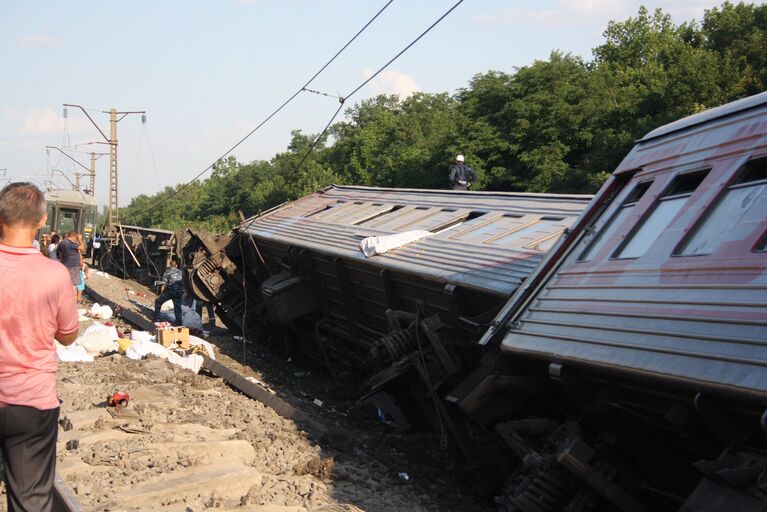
<point x="559" y="125"/>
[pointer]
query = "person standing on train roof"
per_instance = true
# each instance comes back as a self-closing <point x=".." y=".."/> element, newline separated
<point x="461" y="175"/>
<point x="38" y="306"/>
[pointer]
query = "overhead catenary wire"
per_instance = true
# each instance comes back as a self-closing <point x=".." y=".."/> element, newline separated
<point x="151" y="155"/>
<point x="243" y="226"/>
<point x="371" y="77"/>
<point x="135" y="162"/>
<point x="322" y="93"/>
<point x="343" y="99"/>
<point x="283" y="105"/>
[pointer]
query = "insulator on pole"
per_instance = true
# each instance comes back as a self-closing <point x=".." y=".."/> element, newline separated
<point x="66" y="112"/>
<point x="143" y="118"/>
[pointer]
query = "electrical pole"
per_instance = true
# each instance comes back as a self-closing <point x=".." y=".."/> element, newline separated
<point x="112" y="209"/>
<point x="92" y="182"/>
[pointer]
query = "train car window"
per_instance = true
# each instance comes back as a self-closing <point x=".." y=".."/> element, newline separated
<point x="456" y="222"/>
<point x="608" y="230"/>
<point x="528" y="233"/>
<point x="762" y="246"/>
<point x="394" y="208"/>
<point x="323" y="208"/>
<point x="741" y="207"/>
<point x="665" y="210"/>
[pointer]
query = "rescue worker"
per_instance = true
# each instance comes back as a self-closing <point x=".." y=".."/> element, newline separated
<point x="173" y="289"/>
<point x="461" y="175"/>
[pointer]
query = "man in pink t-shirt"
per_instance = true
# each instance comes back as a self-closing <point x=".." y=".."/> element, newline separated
<point x="37" y="304"/>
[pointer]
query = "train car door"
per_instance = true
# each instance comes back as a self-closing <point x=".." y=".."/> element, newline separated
<point x="67" y="220"/>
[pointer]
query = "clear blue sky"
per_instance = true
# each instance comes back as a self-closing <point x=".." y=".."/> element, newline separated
<point x="207" y="72"/>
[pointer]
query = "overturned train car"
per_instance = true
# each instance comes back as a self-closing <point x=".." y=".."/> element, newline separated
<point x="407" y="321"/>
<point x="142" y="254"/>
<point x="639" y="345"/>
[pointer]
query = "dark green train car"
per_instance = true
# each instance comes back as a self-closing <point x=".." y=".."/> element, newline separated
<point x="71" y="210"/>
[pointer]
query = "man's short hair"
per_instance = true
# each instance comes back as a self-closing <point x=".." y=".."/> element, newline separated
<point x="55" y="238"/>
<point x="21" y="204"/>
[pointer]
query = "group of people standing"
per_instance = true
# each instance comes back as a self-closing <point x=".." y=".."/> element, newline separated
<point x="69" y="251"/>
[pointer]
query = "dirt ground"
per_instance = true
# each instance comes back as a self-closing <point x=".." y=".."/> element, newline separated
<point x="197" y="443"/>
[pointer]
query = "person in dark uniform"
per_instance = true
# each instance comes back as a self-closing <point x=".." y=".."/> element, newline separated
<point x="173" y="289"/>
<point x="461" y="175"/>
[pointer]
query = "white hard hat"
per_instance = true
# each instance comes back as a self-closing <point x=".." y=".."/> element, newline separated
<point x="459" y="158"/>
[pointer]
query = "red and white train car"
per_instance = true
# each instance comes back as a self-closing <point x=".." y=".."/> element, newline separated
<point x="646" y="329"/>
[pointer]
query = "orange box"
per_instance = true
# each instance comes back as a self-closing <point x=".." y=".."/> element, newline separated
<point x="173" y="337"/>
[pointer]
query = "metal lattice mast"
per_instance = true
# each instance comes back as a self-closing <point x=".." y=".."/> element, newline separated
<point x="92" y="182"/>
<point x="112" y="211"/>
<point x="113" y="216"/>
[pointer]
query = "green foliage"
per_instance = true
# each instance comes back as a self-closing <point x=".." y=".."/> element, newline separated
<point x="738" y="34"/>
<point x="559" y="125"/>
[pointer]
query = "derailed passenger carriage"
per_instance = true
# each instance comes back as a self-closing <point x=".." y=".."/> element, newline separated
<point x="142" y="254"/>
<point x="408" y="320"/>
<point x="646" y="331"/>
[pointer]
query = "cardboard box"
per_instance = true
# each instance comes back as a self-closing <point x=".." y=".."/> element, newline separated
<point x="173" y="337"/>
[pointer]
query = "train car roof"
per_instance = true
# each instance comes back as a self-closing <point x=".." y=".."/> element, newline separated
<point x="70" y="196"/>
<point x="722" y="111"/>
<point x="697" y="321"/>
<point x="487" y="241"/>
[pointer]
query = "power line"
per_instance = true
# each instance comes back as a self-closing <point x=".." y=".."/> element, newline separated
<point x="343" y="99"/>
<point x="363" y="84"/>
<point x="306" y="89"/>
<point x="284" y="104"/>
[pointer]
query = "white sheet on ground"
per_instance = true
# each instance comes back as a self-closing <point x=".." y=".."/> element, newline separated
<point x="141" y="336"/>
<point x="142" y="347"/>
<point x="102" y="312"/>
<point x="373" y="245"/>
<point x="72" y="354"/>
<point x="98" y="339"/>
